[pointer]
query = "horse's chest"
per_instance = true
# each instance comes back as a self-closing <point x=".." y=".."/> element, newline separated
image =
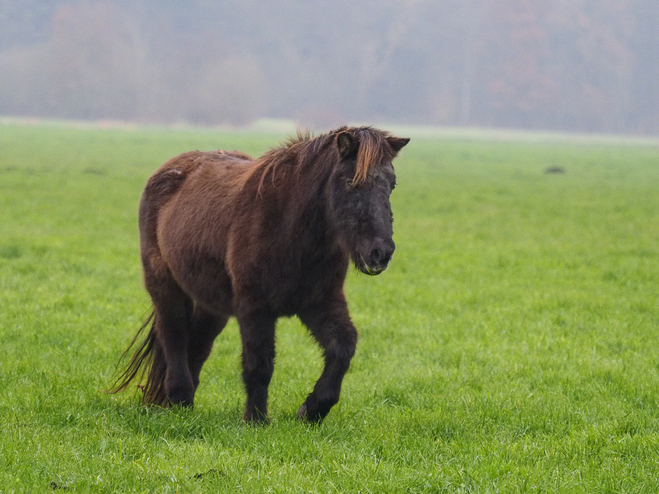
<point x="289" y="289"/>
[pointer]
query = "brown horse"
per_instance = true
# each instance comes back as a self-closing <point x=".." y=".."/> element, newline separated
<point x="223" y="235"/>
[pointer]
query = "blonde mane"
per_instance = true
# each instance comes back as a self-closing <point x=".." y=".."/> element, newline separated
<point x="305" y="148"/>
<point x="373" y="150"/>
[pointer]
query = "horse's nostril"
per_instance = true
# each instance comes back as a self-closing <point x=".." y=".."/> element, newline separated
<point x="377" y="256"/>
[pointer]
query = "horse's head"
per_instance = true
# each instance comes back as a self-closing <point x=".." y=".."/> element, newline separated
<point x="360" y="186"/>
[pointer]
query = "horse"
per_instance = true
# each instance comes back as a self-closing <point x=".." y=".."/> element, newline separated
<point x="223" y="235"/>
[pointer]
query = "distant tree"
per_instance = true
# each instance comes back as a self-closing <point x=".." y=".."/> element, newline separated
<point x="593" y="62"/>
<point x="98" y="61"/>
<point x="228" y="91"/>
<point x="25" y="81"/>
<point x="645" y="77"/>
<point x="200" y="78"/>
<point x="25" y="23"/>
<point x="516" y="89"/>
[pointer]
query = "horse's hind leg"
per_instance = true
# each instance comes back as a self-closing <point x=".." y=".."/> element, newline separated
<point x="205" y="328"/>
<point x="173" y="310"/>
<point x="331" y="326"/>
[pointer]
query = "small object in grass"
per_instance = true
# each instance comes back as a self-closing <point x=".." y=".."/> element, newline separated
<point x="212" y="471"/>
<point x="555" y="170"/>
<point x="93" y="171"/>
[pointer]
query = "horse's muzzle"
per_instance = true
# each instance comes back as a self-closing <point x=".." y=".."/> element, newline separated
<point x="378" y="259"/>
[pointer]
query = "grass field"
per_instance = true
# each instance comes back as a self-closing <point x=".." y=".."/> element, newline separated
<point x="513" y="346"/>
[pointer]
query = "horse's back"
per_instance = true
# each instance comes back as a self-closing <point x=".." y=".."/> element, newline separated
<point x="163" y="185"/>
<point x="168" y="178"/>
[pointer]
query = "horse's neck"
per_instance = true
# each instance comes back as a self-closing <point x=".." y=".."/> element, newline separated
<point x="309" y="202"/>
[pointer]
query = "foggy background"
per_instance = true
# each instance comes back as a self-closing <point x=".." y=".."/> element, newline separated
<point x="571" y="65"/>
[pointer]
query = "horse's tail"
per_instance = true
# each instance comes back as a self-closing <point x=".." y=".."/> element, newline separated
<point x="149" y="359"/>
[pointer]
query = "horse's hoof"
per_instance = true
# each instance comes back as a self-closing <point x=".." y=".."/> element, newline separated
<point x="309" y="417"/>
<point x="255" y="418"/>
<point x="181" y="404"/>
<point x="257" y="422"/>
<point x="181" y="400"/>
<point x="180" y="396"/>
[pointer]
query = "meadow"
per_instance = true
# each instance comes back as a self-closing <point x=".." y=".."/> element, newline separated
<point x="512" y="346"/>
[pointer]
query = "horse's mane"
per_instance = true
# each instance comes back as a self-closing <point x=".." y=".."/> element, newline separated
<point x="305" y="149"/>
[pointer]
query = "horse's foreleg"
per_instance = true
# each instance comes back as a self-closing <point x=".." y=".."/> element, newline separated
<point x="332" y="328"/>
<point x="205" y="327"/>
<point x="258" y="358"/>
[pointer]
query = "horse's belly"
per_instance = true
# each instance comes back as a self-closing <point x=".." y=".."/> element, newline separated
<point x="210" y="287"/>
<point x="196" y="262"/>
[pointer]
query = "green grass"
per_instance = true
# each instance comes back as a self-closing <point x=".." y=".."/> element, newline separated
<point x="513" y="346"/>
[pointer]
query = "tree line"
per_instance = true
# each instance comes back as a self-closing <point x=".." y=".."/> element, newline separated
<point x="586" y="65"/>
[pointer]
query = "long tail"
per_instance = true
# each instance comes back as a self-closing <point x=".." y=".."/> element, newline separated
<point x="148" y="359"/>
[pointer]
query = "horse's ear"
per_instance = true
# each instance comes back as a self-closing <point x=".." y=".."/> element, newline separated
<point x="397" y="143"/>
<point x="347" y="145"/>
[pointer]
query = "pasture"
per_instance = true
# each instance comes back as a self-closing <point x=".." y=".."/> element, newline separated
<point x="512" y="346"/>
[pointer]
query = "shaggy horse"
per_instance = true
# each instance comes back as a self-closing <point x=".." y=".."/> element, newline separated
<point x="223" y="235"/>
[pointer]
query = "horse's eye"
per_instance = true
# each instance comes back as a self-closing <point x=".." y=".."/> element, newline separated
<point x="349" y="182"/>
